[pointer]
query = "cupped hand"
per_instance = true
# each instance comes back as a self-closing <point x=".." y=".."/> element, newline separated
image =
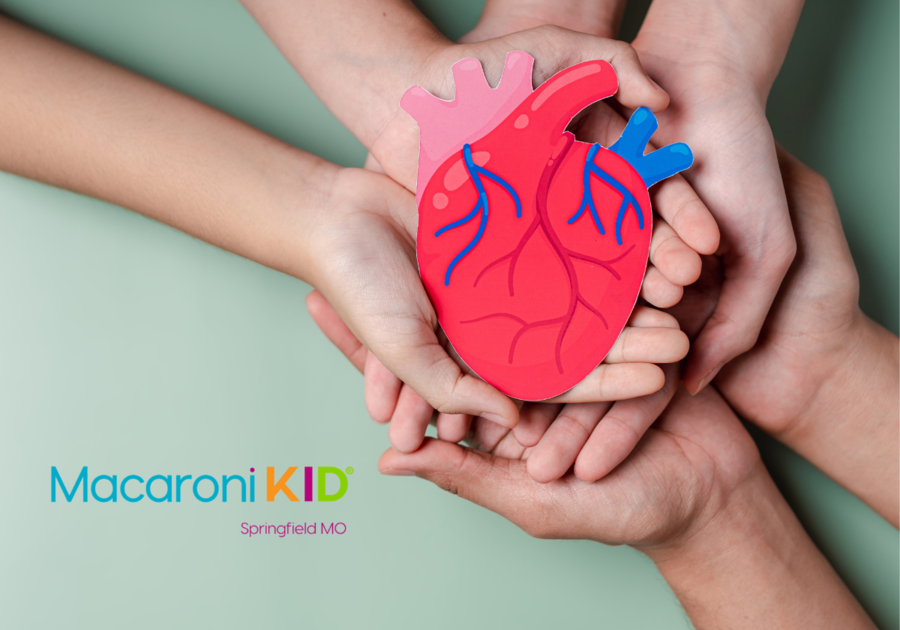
<point x="364" y="262"/>
<point x="395" y="145"/>
<point x="678" y="478"/>
<point x="719" y="110"/>
<point x="650" y="336"/>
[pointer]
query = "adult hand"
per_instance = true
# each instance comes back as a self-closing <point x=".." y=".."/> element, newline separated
<point x="718" y="59"/>
<point x="693" y="496"/>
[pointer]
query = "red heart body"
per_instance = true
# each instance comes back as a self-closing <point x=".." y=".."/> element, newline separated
<point x="531" y="300"/>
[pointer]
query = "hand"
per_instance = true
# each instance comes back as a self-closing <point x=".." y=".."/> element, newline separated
<point x="501" y="17"/>
<point x="651" y="335"/>
<point x="676" y="481"/>
<point x="718" y="67"/>
<point x="578" y="426"/>
<point x="693" y="496"/>
<point x="815" y="320"/>
<point x="823" y="377"/>
<point x="395" y="145"/>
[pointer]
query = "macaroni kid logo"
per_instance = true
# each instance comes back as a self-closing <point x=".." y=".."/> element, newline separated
<point x="205" y="488"/>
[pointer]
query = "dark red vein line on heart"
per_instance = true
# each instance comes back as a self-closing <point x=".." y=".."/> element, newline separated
<point x="565" y="255"/>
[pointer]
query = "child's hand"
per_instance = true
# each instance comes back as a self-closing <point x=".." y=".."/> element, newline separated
<point x="363" y="259"/>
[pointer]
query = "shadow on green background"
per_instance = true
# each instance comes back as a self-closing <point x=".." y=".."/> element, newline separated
<point x="131" y="347"/>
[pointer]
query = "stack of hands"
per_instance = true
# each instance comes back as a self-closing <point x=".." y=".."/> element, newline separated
<point x="747" y="257"/>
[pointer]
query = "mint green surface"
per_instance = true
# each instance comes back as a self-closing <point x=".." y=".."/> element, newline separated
<point x="131" y="348"/>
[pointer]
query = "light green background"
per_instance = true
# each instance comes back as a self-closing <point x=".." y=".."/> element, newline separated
<point x="130" y="347"/>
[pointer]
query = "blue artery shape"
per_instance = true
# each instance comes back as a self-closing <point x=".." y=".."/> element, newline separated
<point x="652" y="167"/>
<point x="482" y="207"/>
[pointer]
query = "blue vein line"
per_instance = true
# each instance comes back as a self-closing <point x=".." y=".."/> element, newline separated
<point x="482" y="206"/>
<point x="587" y="198"/>
<point x="509" y="189"/>
<point x="462" y="221"/>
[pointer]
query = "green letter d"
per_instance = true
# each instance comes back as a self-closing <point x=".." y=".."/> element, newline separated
<point x="323" y="471"/>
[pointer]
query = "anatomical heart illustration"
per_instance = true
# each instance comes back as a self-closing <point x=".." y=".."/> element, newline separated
<point x="532" y="245"/>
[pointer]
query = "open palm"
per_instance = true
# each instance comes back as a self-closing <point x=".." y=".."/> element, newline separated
<point x="674" y="482"/>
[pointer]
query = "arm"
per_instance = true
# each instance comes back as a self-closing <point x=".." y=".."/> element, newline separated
<point x="755" y="567"/>
<point x="824" y="377"/>
<point x="75" y="121"/>
<point x="714" y="522"/>
<point x="72" y="120"/>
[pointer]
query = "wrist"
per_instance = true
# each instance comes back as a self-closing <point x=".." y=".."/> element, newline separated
<point x="849" y="428"/>
<point x="745" y="510"/>
<point x="751" y="565"/>
<point x="743" y="43"/>
<point x="502" y="17"/>
<point x="301" y="192"/>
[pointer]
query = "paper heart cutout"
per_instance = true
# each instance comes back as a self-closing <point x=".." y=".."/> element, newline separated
<point x="531" y="244"/>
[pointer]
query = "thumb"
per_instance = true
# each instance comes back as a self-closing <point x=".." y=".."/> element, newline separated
<point x="636" y="88"/>
<point x="436" y="377"/>
<point x="498" y="484"/>
<point x="331" y="324"/>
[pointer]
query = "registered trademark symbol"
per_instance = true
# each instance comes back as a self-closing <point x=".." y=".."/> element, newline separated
<point x="349" y="470"/>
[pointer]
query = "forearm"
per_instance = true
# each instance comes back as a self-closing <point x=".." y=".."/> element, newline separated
<point x="356" y="55"/>
<point x="749" y="40"/>
<point x="752" y="566"/>
<point x="595" y="17"/>
<point x="851" y="427"/>
<point x="72" y="120"/>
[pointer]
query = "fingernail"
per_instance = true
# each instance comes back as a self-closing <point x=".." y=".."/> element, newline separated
<point x="496" y="419"/>
<point x="709" y="377"/>
<point x="398" y="472"/>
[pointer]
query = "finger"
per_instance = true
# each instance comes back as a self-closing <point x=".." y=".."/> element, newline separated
<point x="330" y="323"/>
<point x="564" y="439"/>
<point x="679" y="206"/>
<point x="649" y="345"/>
<point x="409" y="422"/>
<point x="372" y="164"/>
<point x="498" y="484"/>
<point x="673" y="199"/>
<point x="636" y="88"/>
<point x="615" y="382"/>
<point x="534" y="418"/>
<point x="658" y="291"/>
<point x="678" y="263"/>
<point x="453" y="427"/>
<point x="698" y="303"/>
<point x="618" y="433"/>
<point x="646" y="317"/>
<point x="484" y="435"/>
<point x="382" y="389"/>
<point x="430" y="371"/>
<point x="510" y="448"/>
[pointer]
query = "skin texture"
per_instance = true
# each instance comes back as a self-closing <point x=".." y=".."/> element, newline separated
<point x="75" y="121"/>
<point x="693" y="496"/>
<point x="824" y="378"/>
